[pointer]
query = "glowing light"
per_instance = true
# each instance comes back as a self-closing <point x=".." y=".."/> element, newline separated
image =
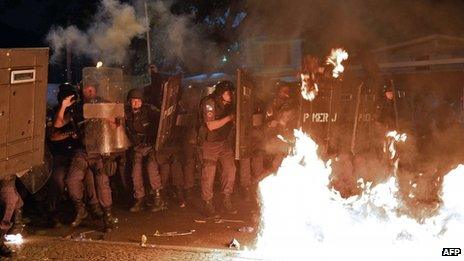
<point x="14" y="239"/>
<point x="302" y="219"/>
<point x="393" y="137"/>
<point x="308" y="90"/>
<point x="99" y="64"/>
<point x="337" y="56"/>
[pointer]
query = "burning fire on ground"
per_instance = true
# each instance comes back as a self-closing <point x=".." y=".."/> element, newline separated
<point x="16" y="239"/>
<point x="302" y="218"/>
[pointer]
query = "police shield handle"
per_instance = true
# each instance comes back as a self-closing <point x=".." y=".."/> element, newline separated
<point x="356" y="113"/>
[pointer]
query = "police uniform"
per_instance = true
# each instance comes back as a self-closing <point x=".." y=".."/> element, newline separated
<point x="169" y="158"/>
<point x="188" y="153"/>
<point x="63" y="153"/>
<point x="12" y="203"/>
<point x="216" y="147"/>
<point x="88" y="165"/>
<point x="141" y="128"/>
<point x="171" y="167"/>
<point x="252" y="167"/>
<point x="280" y="121"/>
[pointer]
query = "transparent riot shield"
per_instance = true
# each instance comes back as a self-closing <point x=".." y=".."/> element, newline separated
<point x="103" y="95"/>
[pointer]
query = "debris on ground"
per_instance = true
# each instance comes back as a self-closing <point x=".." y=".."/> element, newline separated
<point x="246" y="229"/>
<point x="173" y="233"/>
<point x="222" y="220"/>
<point x="143" y="241"/>
<point x="234" y="244"/>
<point x="219" y="220"/>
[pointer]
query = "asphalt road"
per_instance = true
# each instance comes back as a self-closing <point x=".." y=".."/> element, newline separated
<point x="173" y="234"/>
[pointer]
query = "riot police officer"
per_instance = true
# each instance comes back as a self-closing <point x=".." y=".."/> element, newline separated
<point x="84" y="163"/>
<point x="281" y="116"/>
<point x="63" y="142"/>
<point x="141" y="124"/>
<point x="252" y="167"/>
<point x="386" y="108"/>
<point x="12" y="203"/>
<point x="216" y="125"/>
<point x="187" y="122"/>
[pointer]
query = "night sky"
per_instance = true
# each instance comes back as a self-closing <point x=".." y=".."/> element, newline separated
<point x="323" y="24"/>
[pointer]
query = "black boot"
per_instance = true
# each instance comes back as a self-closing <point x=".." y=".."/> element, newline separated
<point x="81" y="214"/>
<point x="158" y="202"/>
<point x="4" y="250"/>
<point x="18" y="224"/>
<point x="96" y="210"/>
<point x="138" y="206"/>
<point x="209" y="210"/>
<point x="227" y="204"/>
<point x="109" y="220"/>
<point x="180" y="197"/>
<point x="188" y="194"/>
<point x="54" y="220"/>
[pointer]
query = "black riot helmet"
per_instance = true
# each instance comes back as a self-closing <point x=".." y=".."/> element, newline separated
<point x="223" y="86"/>
<point x="135" y="93"/>
<point x="65" y="90"/>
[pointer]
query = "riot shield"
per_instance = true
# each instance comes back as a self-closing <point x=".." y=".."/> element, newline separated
<point x="35" y="178"/>
<point x="322" y="117"/>
<point x="168" y="113"/>
<point x="244" y="115"/>
<point x="363" y="132"/>
<point x="188" y="107"/>
<point x="104" y="129"/>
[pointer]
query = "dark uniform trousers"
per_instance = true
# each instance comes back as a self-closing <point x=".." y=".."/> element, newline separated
<point x="251" y="169"/>
<point x="11" y="201"/>
<point x="212" y="152"/>
<point x="170" y="167"/>
<point x="61" y="166"/>
<point x="189" y="164"/>
<point x="89" y="167"/>
<point x="140" y="152"/>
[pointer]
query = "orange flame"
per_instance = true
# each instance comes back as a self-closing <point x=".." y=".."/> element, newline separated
<point x="337" y="56"/>
<point x="308" y="92"/>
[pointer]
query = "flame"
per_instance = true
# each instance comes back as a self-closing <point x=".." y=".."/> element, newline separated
<point x="99" y="64"/>
<point x="303" y="220"/>
<point x="337" y="56"/>
<point x="308" y="93"/>
<point x="14" y="239"/>
<point x="393" y="137"/>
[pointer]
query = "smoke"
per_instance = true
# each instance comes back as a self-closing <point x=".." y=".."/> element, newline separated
<point x="352" y="23"/>
<point x="178" y="39"/>
<point x="113" y="28"/>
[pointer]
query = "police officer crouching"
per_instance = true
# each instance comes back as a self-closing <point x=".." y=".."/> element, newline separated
<point x="141" y="124"/>
<point x="215" y="129"/>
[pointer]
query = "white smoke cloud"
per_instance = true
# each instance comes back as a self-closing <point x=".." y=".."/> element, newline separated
<point x="113" y="28"/>
<point x="178" y="38"/>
